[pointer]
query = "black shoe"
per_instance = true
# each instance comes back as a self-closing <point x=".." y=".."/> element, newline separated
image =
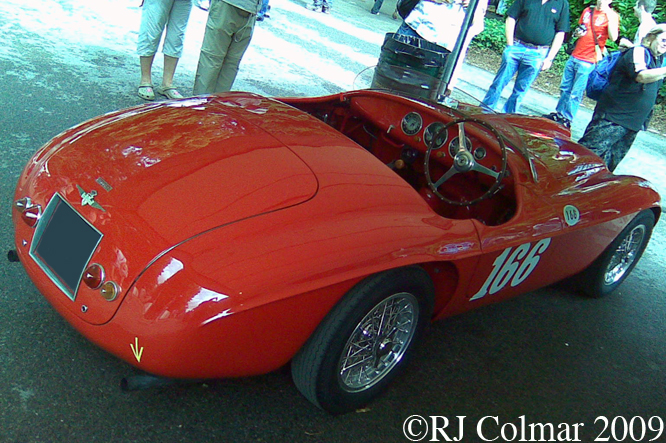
<point x="558" y="118"/>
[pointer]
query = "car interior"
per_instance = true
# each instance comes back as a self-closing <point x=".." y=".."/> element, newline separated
<point x="422" y="144"/>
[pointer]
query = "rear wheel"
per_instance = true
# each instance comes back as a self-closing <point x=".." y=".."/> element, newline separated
<point x="365" y="341"/>
<point x="618" y="260"/>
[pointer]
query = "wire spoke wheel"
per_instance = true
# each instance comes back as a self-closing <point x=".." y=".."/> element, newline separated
<point x="625" y="255"/>
<point x="378" y="342"/>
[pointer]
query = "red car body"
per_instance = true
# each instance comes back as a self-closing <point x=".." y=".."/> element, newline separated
<point x="232" y="224"/>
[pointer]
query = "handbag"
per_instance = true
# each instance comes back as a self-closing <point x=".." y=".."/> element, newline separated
<point x="405" y="7"/>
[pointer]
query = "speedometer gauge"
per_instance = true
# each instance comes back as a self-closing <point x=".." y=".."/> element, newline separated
<point x="411" y="123"/>
<point x="454" y="146"/>
<point x="434" y="137"/>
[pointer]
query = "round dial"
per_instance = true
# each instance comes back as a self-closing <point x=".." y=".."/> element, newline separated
<point x="480" y="153"/>
<point x="411" y="123"/>
<point x="434" y="137"/>
<point x="454" y="146"/>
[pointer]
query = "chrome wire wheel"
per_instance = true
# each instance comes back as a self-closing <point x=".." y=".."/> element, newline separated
<point x="625" y="255"/>
<point x="379" y="342"/>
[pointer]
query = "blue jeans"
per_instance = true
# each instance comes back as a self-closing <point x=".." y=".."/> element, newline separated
<point x="404" y="29"/>
<point x="527" y="63"/>
<point x="264" y="9"/>
<point x="572" y="88"/>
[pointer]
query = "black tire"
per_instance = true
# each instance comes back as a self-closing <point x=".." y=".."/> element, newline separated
<point x="318" y="370"/>
<point x="615" y="264"/>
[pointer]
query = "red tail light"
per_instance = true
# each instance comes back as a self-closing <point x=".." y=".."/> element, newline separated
<point x="32" y="215"/>
<point x="93" y="277"/>
<point x="30" y="212"/>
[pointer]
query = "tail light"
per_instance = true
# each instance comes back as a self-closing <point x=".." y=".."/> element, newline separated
<point x="109" y="291"/>
<point x="30" y="212"/>
<point x="93" y="277"/>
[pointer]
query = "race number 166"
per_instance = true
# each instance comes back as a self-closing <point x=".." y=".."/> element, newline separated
<point x="513" y="267"/>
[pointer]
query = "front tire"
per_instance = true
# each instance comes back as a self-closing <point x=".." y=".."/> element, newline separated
<point x="365" y="341"/>
<point x="615" y="264"/>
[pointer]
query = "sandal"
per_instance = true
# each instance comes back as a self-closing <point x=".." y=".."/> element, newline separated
<point x="146" y="92"/>
<point x="169" y="92"/>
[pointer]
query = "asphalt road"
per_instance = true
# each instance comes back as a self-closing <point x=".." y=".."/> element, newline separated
<point x="550" y="356"/>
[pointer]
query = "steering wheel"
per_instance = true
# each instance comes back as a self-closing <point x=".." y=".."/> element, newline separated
<point x="464" y="161"/>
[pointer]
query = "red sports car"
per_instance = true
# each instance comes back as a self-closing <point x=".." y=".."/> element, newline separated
<point x="226" y="236"/>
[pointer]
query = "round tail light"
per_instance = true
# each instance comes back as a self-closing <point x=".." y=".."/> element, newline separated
<point x="93" y="277"/>
<point x="109" y="291"/>
<point x="32" y="215"/>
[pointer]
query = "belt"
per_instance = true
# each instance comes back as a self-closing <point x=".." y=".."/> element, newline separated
<point x="530" y="45"/>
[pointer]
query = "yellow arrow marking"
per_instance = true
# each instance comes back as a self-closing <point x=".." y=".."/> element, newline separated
<point x="138" y="352"/>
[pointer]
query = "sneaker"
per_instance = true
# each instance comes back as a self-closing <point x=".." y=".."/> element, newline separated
<point x="314" y="7"/>
<point x="558" y="118"/>
<point x="325" y="9"/>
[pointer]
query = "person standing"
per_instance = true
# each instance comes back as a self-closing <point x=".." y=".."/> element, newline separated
<point x="534" y="33"/>
<point x="625" y="105"/>
<point x="599" y="24"/>
<point x="228" y="33"/>
<point x="321" y="5"/>
<point x="156" y="16"/>
<point x="643" y="11"/>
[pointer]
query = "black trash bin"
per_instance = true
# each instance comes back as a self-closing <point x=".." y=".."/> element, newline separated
<point x="410" y="65"/>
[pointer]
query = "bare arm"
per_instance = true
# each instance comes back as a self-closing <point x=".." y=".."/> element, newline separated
<point x="651" y="75"/>
<point x="552" y="52"/>
<point x="613" y="25"/>
<point x="509" y="29"/>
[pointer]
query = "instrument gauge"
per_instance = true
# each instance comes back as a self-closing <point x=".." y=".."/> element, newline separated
<point x="454" y="146"/>
<point x="412" y="123"/>
<point x="480" y="153"/>
<point x="434" y="137"/>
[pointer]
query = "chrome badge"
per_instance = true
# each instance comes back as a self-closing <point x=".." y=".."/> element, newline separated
<point x="88" y="198"/>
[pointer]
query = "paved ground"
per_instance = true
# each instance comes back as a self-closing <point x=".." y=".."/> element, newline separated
<point x="549" y="355"/>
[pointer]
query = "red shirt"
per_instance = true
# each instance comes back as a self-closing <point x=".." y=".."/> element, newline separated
<point x="585" y="45"/>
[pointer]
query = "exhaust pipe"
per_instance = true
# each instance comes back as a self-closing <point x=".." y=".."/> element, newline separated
<point x="143" y="382"/>
<point x="12" y="256"/>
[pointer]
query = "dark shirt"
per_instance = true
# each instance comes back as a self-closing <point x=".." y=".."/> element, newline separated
<point x="625" y="101"/>
<point x="537" y="23"/>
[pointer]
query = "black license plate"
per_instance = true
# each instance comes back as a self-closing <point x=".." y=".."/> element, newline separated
<point x="63" y="244"/>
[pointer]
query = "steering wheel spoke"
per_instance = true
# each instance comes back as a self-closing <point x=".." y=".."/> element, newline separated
<point x="483" y="170"/>
<point x="465" y="162"/>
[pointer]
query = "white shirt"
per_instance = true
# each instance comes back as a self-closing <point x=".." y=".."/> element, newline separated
<point x="438" y="23"/>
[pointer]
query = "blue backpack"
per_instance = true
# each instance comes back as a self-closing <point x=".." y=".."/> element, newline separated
<point x="600" y="76"/>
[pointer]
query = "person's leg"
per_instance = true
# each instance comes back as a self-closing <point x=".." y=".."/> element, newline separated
<point x="566" y="85"/>
<point x="216" y="42"/>
<point x="153" y="18"/>
<point x="179" y="15"/>
<point x="508" y="66"/>
<point x="620" y="149"/>
<point x="240" y="41"/>
<point x="583" y="70"/>
<point x="146" y="64"/>
<point x="377" y="6"/>
<point x="263" y="12"/>
<point x="528" y="70"/>
<point x="600" y="136"/>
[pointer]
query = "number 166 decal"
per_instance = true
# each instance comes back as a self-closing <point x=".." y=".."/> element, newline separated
<point x="516" y="269"/>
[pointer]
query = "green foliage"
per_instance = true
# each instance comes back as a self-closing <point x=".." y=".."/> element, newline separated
<point x="493" y="37"/>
